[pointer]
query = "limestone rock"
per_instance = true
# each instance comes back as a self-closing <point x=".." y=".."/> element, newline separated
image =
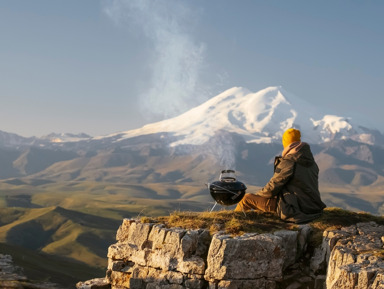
<point x="151" y="256"/>
<point x="246" y="284"/>
<point x="356" y="259"/>
<point x="97" y="283"/>
<point x="320" y="258"/>
<point x="289" y="245"/>
<point x="251" y="256"/>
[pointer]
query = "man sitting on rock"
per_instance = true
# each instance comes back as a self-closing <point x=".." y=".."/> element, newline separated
<point x="293" y="191"/>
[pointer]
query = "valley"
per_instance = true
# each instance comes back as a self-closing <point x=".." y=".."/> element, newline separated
<point x="77" y="221"/>
<point x="64" y="196"/>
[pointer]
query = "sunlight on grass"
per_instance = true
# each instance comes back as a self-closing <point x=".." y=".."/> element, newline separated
<point x="336" y="218"/>
<point x="236" y="223"/>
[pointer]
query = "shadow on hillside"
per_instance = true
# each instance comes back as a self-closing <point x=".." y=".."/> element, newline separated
<point x="30" y="235"/>
<point x="22" y="201"/>
<point x="46" y="267"/>
<point x="98" y="245"/>
<point x="87" y="220"/>
<point x="354" y="202"/>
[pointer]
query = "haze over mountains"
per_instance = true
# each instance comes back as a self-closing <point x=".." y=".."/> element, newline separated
<point x="259" y="117"/>
<point x="54" y="184"/>
<point x="236" y="129"/>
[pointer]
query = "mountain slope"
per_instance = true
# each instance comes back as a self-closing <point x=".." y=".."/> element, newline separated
<point x="43" y="267"/>
<point x="341" y="163"/>
<point x="236" y="129"/>
<point x="59" y="231"/>
<point x="259" y="117"/>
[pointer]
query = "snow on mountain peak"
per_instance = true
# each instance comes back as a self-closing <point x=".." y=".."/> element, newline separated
<point x="333" y="123"/>
<point x="65" y="137"/>
<point x="259" y="117"/>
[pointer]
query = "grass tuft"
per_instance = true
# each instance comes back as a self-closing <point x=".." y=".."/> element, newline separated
<point x="236" y="223"/>
<point x="145" y="220"/>
<point x="336" y="218"/>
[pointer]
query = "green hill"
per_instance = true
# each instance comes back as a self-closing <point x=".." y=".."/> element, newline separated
<point x="76" y="221"/>
<point x="55" y="230"/>
<point x="39" y="266"/>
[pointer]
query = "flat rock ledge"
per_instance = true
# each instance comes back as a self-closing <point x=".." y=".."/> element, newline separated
<point x="151" y="256"/>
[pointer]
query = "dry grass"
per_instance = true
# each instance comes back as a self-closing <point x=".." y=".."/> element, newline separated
<point x="335" y="218"/>
<point x="236" y="223"/>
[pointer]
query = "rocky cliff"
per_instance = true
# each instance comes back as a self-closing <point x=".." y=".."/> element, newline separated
<point x="151" y="256"/>
<point x="12" y="277"/>
<point x="353" y="256"/>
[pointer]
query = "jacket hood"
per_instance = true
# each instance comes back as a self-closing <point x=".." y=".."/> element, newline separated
<point x="302" y="155"/>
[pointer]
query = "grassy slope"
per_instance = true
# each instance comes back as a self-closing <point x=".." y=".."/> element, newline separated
<point x="237" y="223"/>
<point x="61" y="232"/>
<point x="117" y="201"/>
<point x="44" y="267"/>
<point x="78" y="220"/>
<point x="114" y="200"/>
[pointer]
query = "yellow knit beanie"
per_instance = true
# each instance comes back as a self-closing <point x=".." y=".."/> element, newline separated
<point x="291" y="135"/>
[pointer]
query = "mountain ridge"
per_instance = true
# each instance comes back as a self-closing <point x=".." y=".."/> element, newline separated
<point x="160" y="170"/>
<point x="159" y="154"/>
<point x="259" y="117"/>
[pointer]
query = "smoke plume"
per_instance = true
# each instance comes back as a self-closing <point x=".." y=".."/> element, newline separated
<point x="176" y="62"/>
<point x="176" y="59"/>
<point x="222" y="147"/>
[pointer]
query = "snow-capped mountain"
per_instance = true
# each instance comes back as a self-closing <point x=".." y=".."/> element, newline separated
<point x="65" y="137"/>
<point x="13" y="140"/>
<point x="259" y="117"/>
<point x="229" y="131"/>
<point x="16" y="141"/>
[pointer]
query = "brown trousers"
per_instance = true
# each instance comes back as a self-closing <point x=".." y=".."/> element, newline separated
<point x="255" y="202"/>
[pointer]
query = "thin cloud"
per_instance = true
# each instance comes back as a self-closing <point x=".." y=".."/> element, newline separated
<point x="177" y="58"/>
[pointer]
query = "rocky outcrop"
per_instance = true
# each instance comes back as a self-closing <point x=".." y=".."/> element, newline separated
<point x="251" y="260"/>
<point x="151" y="256"/>
<point x="353" y="255"/>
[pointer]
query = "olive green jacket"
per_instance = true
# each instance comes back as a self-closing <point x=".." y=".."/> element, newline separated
<point x="295" y="185"/>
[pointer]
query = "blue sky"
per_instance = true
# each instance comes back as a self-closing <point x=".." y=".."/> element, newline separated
<point x="101" y="67"/>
